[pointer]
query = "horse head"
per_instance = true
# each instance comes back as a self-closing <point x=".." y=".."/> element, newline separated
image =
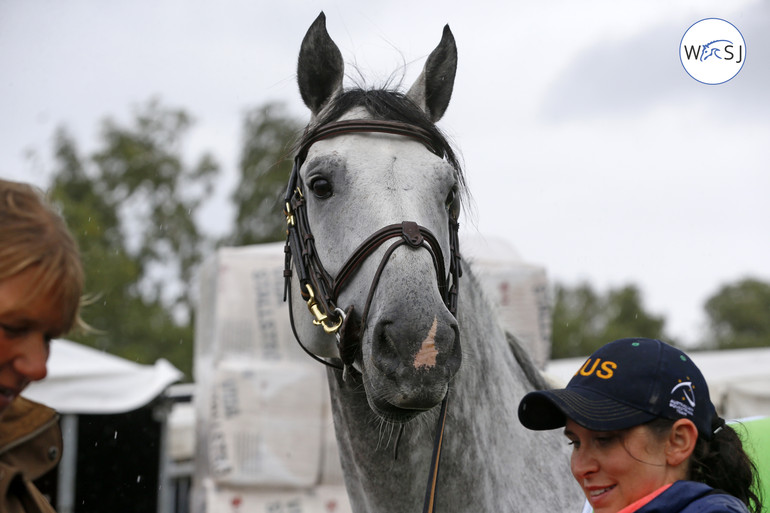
<point x="709" y="51"/>
<point x="376" y="193"/>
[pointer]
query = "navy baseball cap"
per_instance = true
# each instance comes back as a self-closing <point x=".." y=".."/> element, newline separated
<point x="623" y="384"/>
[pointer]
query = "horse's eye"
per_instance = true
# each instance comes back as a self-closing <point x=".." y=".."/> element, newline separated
<point x="453" y="203"/>
<point x="321" y="188"/>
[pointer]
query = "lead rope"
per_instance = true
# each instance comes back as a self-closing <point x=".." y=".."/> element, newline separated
<point x="430" y="492"/>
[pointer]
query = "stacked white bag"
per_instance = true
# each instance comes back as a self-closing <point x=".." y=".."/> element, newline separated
<point x="519" y="291"/>
<point x="264" y="431"/>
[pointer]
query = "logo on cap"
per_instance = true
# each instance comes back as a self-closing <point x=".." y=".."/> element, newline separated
<point x="684" y="404"/>
<point x="604" y="371"/>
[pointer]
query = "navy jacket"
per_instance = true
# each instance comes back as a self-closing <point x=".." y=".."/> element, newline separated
<point x="692" y="497"/>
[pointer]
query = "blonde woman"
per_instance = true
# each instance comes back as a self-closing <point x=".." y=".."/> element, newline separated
<point x="41" y="283"/>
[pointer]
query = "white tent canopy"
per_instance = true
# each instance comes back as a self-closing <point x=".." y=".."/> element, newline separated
<point x="87" y="381"/>
<point x="738" y="379"/>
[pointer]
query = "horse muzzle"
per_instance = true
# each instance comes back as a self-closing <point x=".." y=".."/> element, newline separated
<point x="410" y="359"/>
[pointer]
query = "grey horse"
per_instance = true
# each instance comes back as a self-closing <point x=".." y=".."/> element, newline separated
<point x="408" y="350"/>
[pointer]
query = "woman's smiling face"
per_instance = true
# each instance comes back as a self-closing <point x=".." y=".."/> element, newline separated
<point x="26" y="329"/>
<point x="616" y="468"/>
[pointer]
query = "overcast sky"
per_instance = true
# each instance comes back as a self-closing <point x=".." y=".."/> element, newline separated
<point x="586" y="145"/>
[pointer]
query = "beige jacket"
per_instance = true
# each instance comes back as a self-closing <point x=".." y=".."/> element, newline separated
<point x="30" y="446"/>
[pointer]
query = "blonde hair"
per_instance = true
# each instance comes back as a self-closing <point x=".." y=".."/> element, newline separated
<point x="34" y="236"/>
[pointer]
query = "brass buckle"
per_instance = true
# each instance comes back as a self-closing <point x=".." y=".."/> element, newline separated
<point x="320" y="317"/>
<point x="288" y="212"/>
<point x="289" y="215"/>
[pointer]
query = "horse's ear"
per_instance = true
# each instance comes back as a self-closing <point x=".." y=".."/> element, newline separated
<point x="433" y="88"/>
<point x="320" y="67"/>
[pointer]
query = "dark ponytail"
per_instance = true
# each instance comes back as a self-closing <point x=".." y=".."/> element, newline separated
<point x="722" y="463"/>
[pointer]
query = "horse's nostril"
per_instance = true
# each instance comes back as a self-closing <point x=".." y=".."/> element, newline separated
<point x="384" y="350"/>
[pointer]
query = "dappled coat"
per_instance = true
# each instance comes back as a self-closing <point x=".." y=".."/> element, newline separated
<point x="30" y="446"/>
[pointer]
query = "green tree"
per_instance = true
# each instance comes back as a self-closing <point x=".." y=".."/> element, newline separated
<point x="739" y="315"/>
<point x="265" y="165"/>
<point x="584" y="320"/>
<point x="132" y="206"/>
<point x="575" y="315"/>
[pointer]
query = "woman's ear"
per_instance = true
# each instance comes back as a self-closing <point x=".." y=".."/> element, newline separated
<point x="681" y="442"/>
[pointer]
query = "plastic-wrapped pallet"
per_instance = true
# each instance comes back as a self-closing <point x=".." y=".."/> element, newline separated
<point x="321" y="499"/>
<point x="263" y="415"/>
<point x="266" y="423"/>
<point x="518" y="290"/>
<point x="241" y="313"/>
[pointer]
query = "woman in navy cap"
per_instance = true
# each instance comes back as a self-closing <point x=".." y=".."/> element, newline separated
<point x="645" y="435"/>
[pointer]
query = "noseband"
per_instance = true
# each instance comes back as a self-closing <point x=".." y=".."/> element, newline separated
<point x="321" y="291"/>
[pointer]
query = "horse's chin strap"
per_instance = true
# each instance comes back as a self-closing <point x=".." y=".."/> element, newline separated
<point x="320" y="291"/>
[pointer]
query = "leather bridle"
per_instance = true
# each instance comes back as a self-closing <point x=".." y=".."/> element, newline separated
<point x="321" y="291"/>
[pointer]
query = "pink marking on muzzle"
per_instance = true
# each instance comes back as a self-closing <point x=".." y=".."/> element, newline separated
<point x="426" y="356"/>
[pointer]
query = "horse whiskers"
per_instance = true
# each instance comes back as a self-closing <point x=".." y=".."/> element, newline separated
<point x="398" y="439"/>
<point x="384" y="426"/>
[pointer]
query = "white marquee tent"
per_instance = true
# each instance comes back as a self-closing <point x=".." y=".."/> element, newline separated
<point x="738" y="379"/>
<point x="84" y="380"/>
